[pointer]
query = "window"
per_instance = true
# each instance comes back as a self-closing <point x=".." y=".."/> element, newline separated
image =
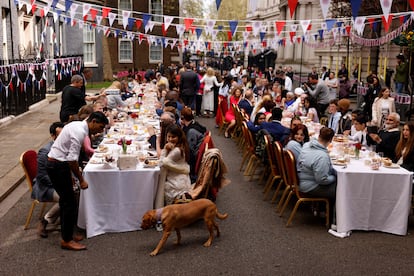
<point x="4" y="29"/>
<point x="125" y="51"/>
<point x="89" y="50"/>
<point x="155" y="53"/>
<point x="123" y="5"/>
<point x="156" y="8"/>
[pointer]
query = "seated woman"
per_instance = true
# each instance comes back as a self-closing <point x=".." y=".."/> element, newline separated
<point x="311" y="111"/>
<point x="195" y="136"/>
<point x="175" y="171"/>
<point x="316" y="175"/>
<point x="298" y="136"/>
<point x="405" y="148"/>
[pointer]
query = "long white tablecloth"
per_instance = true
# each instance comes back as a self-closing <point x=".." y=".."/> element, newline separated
<point x="116" y="200"/>
<point x="372" y="200"/>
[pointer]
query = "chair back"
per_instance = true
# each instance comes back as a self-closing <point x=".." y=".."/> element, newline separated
<point x="278" y="153"/>
<point x="251" y="143"/>
<point x="206" y="144"/>
<point x="291" y="171"/>
<point x="28" y="161"/>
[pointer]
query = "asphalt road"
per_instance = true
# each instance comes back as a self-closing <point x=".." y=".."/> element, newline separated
<point x="253" y="241"/>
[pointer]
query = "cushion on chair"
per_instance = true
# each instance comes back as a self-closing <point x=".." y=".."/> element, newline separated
<point x="29" y="161"/>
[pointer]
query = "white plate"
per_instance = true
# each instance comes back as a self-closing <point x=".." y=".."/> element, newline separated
<point x="393" y="166"/>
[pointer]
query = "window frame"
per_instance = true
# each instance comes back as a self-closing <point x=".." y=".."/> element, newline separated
<point x="89" y="42"/>
<point x="122" y="40"/>
<point x="150" y="59"/>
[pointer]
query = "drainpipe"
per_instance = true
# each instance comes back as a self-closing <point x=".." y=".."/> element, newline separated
<point x="11" y="31"/>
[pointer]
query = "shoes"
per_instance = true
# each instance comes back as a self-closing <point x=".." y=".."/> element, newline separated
<point x="217" y="126"/>
<point x="41" y="228"/>
<point x="226" y="134"/>
<point x="339" y="234"/>
<point x="78" y="237"/>
<point x="333" y="227"/>
<point x="72" y="245"/>
<point x="158" y="227"/>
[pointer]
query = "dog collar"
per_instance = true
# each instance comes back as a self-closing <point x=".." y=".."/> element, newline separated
<point x="158" y="214"/>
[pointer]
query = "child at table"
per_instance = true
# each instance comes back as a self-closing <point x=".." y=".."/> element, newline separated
<point x="175" y="170"/>
<point x="360" y="124"/>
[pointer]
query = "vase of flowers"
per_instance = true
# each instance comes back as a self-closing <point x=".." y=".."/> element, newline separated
<point x="124" y="143"/>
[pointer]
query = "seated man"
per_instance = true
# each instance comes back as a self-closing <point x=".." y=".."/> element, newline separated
<point x="274" y="128"/>
<point x="42" y="187"/>
<point x="386" y="140"/>
<point x="316" y="175"/>
<point x="246" y="104"/>
<point x="194" y="133"/>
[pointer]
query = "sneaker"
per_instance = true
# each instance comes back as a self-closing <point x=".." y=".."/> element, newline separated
<point x="333" y="227"/>
<point x="158" y="227"/>
<point x="339" y="234"/>
<point x="41" y="228"/>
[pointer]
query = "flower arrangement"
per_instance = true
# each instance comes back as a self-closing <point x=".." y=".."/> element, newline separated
<point x="124" y="143"/>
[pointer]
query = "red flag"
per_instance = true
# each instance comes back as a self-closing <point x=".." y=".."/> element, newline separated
<point x="264" y="43"/>
<point x="105" y="12"/>
<point x="42" y="13"/>
<point x="292" y="6"/>
<point x="387" y="23"/>
<point x="298" y="39"/>
<point x="279" y="26"/>
<point x="164" y="32"/>
<point x="188" y="22"/>
<point x="411" y="4"/>
<point x="371" y="22"/>
<point x="292" y="34"/>
<point x="34" y="8"/>
<point x="229" y="35"/>
<point x="138" y="22"/>
<point x="402" y="19"/>
<point x="249" y="28"/>
<point x="93" y="13"/>
<point x="348" y="29"/>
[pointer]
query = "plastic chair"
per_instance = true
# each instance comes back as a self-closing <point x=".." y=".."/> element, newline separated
<point x="292" y="176"/>
<point x="28" y="160"/>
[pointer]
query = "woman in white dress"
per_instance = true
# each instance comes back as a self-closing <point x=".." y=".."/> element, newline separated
<point x="209" y="80"/>
<point x="175" y="171"/>
<point x="383" y="105"/>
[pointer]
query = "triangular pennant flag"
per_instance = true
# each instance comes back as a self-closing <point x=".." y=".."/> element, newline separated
<point x="149" y="26"/>
<point x="256" y="27"/>
<point x="198" y="32"/>
<point x="42" y="13"/>
<point x="85" y="10"/>
<point x="73" y="9"/>
<point x="138" y="22"/>
<point x="305" y="25"/>
<point x="34" y="8"/>
<point x="348" y="29"/>
<point x="245" y="35"/>
<point x="125" y="16"/>
<point x="249" y="28"/>
<point x="218" y="3"/>
<point x="54" y="3"/>
<point x="180" y="29"/>
<point x="262" y="36"/>
<point x="68" y="4"/>
<point x="93" y="13"/>
<point x="355" y="5"/>
<point x="371" y="22"/>
<point x="214" y="34"/>
<point x="325" y="6"/>
<point x="279" y="26"/>
<point x="99" y="19"/>
<point x="229" y="35"/>
<point x="105" y="12"/>
<point x="111" y="17"/>
<point x="330" y="23"/>
<point x="386" y="7"/>
<point x="411" y="4"/>
<point x="188" y="22"/>
<point x="145" y="18"/>
<point x="167" y="21"/>
<point x="387" y="22"/>
<point x="359" y="24"/>
<point x="292" y="34"/>
<point x="233" y="26"/>
<point x="320" y="33"/>
<point x="292" y="6"/>
<point x="163" y="30"/>
<point x="131" y="23"/>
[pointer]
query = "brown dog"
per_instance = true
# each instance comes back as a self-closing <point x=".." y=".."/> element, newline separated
<point x="177" y="216"/>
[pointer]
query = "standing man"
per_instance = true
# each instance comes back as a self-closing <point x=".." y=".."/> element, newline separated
<point x="400" y="74"/>
<point x="189" y="84"/>
<point x="62" y="163"/>
<point x="72" y="98"/>
<point x="320" y="93"/>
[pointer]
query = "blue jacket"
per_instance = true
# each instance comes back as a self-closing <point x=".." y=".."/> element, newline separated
<point x="275" y="128"/>
<point x="315" y="167"/>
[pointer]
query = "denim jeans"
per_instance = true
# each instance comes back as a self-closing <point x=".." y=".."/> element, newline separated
<point x="399" y="87"/>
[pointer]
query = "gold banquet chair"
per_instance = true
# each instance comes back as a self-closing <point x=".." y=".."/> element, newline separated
<point x="292" y="177"/>
<point x="28" y="161"/>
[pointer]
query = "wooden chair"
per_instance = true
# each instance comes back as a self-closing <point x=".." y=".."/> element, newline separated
<point x="274" y="168"/>
<point x="292" y="177"/>
<point x="278" y="155"/>
<point x="248" y="148"/>
<point x="28" y="161"/>
<point x="206" y="144"/>
<point x="237" y="132"/>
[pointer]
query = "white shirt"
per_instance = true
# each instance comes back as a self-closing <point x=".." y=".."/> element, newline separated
<point x="209" y="82"/>
<point x="68" y="144"/>
<point x="288" y="84"/>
